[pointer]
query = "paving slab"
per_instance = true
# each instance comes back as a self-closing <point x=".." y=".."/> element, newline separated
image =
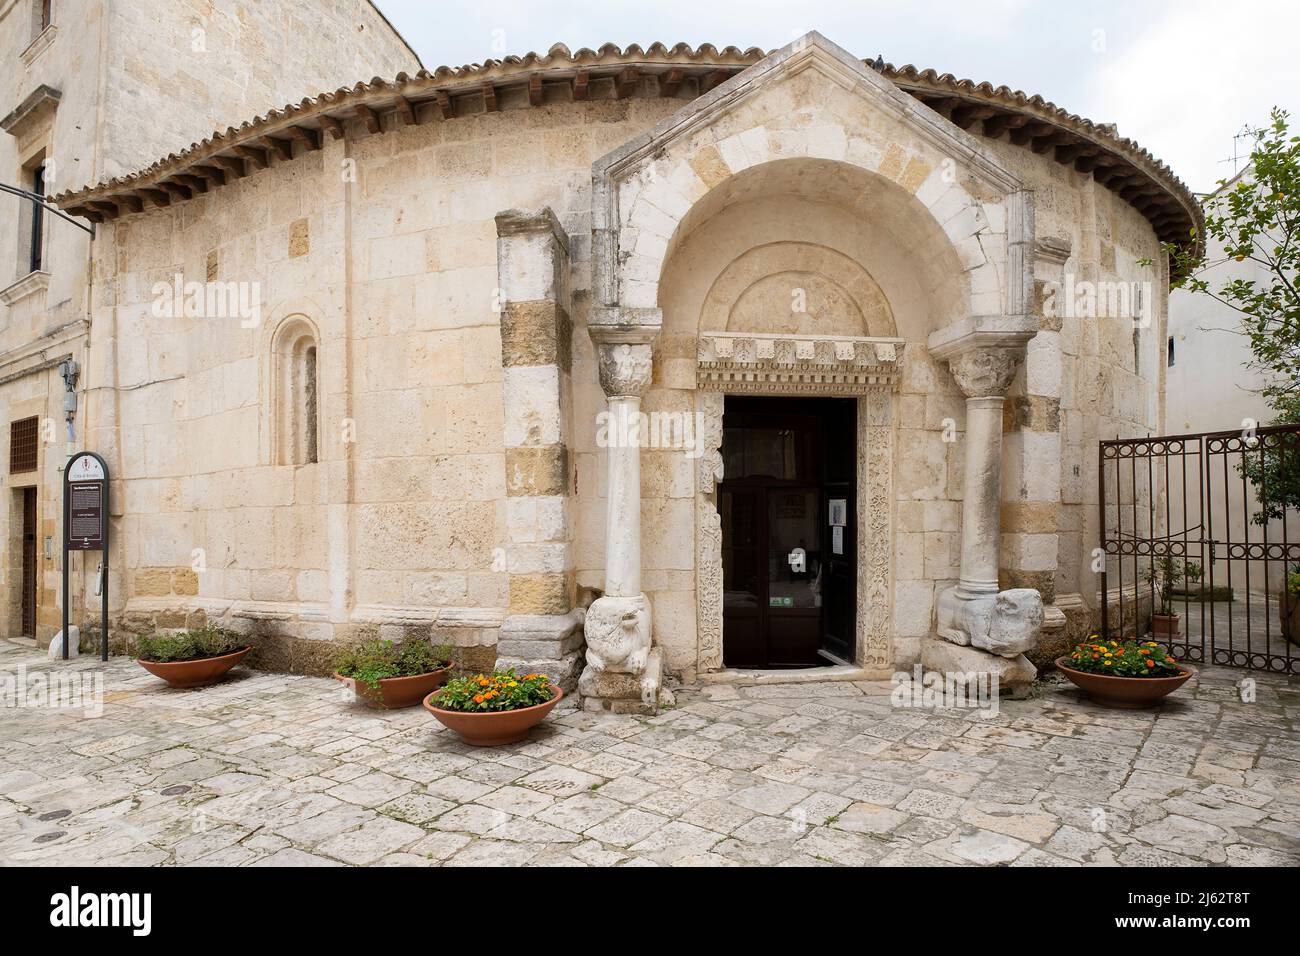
<point x="274" y="770"/>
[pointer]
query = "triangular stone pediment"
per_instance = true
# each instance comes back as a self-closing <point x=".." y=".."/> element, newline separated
<point x="810" y="53"/>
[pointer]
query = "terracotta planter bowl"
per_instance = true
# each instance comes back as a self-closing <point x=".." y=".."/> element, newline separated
<point x="397" y="692"/>
<point x="493" y="729"/>
<point x="1166" y="624"/>
<point x="1129" y="693"/>
<point x="205" y="670"/>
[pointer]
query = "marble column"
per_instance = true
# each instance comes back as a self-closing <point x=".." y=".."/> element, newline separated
<point x="979" y="629"/>
<point x="983" y="375"/>
<point x="624" y="669"/>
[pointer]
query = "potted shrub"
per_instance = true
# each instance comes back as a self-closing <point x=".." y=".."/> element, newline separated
<point x="388" y="676"/>
<point x="488" y="710"/>
<point x="1124" y="674"/>
<point x="191" y="658"/>
<point x="1166" y="574"/>
<point x="1289" y="606"/>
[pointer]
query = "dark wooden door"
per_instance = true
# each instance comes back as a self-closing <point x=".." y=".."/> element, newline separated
<point x="29" y="562"/>
<point x="788" y="577"/>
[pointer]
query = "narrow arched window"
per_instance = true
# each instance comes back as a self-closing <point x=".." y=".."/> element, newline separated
<point x="309" y="404"/>
<point x="297" y="399"/>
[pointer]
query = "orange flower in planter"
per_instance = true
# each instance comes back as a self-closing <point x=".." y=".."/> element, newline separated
<point x="1124" y="659"/>
<point x="499" y="691"/>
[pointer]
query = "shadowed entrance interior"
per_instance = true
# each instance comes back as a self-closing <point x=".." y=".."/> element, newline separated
<point x="788" y="531"/>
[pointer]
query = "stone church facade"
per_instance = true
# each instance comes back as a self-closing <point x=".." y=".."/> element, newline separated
<point x="628" y="364"/>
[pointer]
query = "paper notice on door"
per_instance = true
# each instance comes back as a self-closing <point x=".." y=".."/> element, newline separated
<point x="837" y="539"/>
<point x="839" y="512"/>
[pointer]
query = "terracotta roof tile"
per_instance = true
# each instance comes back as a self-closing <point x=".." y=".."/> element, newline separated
<point x="1179" y="210"/>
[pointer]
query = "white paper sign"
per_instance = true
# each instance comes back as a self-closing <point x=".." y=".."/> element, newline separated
<point x="837" y="539"/>
<point x="839" y="510"/>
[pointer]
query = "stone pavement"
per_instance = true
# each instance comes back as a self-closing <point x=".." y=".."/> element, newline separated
<point x="269" y="769"/>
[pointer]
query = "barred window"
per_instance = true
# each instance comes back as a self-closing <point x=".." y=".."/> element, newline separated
<point x="23" y="445"/>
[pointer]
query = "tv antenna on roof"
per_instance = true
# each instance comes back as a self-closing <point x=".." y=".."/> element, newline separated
<point x="1244" y="133"/>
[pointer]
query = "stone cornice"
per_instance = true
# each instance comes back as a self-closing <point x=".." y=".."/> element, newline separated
<point x="515" y="222"/>
<point x="616" y="325"/>
<point x="29" y="284"/>
<point x="43" y="98"/>
<point x="1051" y="250"/>
<point x="982" y="331"/>
<point x="40" y="44"/>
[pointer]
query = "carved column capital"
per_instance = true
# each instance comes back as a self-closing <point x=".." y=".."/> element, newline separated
<point x="624" y="369"/>
<point x="985" y="372"/>
<point x="624" y="339"/>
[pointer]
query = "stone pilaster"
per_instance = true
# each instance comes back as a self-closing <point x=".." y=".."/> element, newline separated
<point x="980" y="629"/>
<point x="542" y="632"/>
<point x="624" y="669"/>
<point x="1038" y="539"/>
<point x="1032" y="427"/>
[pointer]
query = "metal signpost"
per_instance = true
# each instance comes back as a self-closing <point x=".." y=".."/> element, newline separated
<point x="85" y="528"/>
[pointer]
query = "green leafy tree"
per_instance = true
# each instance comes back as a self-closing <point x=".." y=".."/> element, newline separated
<point x="1258" y="220"/>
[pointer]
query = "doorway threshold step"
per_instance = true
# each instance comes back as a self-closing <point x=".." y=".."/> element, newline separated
<point x="801" y="675"/>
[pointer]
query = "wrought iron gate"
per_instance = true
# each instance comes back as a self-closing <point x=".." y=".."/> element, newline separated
<point x="1196" y="547"/>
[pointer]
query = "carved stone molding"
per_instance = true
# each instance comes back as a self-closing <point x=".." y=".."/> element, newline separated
<point x="985" y="372"/>
<point x="708" y="533"/>
<point x="740" y="362"/>
<point x="875" y="616"/>
<point x="1052" y="250"/>
<point x="874" y="647"/>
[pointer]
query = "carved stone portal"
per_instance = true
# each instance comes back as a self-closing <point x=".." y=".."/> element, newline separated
<point x="867" y="368"/>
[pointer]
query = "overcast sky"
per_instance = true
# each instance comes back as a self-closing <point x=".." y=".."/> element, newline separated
<point x="1180" y="77"/>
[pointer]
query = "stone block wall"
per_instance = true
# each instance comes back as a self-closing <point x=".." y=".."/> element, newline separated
<point x="1088" y="375"/>
<point x="207" y="66"/>
<point x="404" y="526"/>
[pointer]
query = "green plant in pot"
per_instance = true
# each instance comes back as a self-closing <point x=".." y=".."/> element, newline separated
<point x="1290" y="605"/>
<point x="488" y="710"/>
<point x="1167" y="575"/>
<point x="190" y="658"/>
<point x="389" y="675"/>
<point x="1127" y="674"/>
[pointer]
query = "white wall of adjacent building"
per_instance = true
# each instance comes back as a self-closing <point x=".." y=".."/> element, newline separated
<point x="1211" y="387"/>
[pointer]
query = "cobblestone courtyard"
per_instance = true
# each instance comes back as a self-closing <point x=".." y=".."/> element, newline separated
<point x="268" y="769"/>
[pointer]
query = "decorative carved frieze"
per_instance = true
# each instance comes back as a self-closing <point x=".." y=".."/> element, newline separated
<point x="792" y="364"/>
<point x="875" y="623"/>
<point x="708" y="533"/>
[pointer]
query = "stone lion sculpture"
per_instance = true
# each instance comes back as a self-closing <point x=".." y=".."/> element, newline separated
<point x="1005" y="624"/>
<point x="618" y="634"/>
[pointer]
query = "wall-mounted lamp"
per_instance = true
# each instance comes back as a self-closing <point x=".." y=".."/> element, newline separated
<point x="70" y="371"/>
